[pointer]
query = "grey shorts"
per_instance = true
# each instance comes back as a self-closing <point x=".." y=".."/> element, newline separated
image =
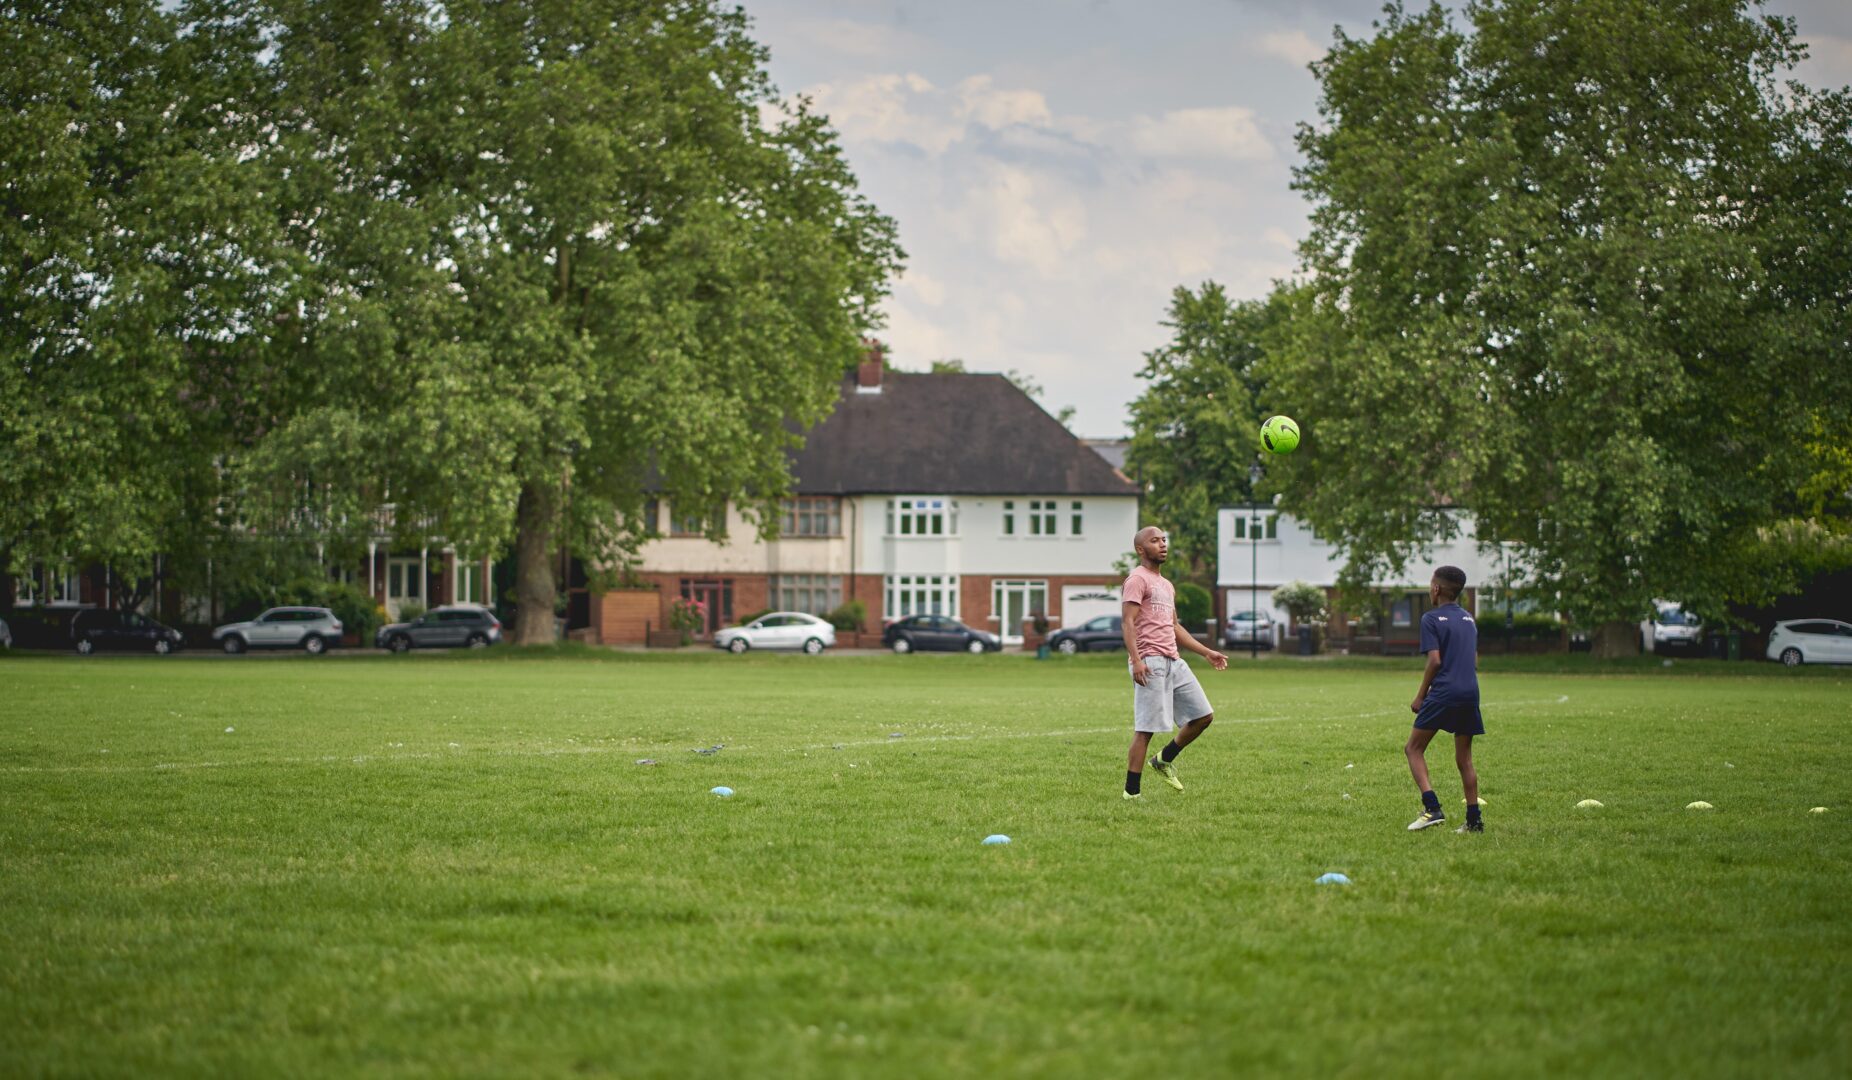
<point x="1171" y="695"/>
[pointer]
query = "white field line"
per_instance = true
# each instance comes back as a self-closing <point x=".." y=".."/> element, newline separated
<point x="425" y="755"/>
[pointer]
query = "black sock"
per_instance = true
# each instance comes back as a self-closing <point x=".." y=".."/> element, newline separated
<point x="1170" y="751"/>
<point x="1131" y="782"/>
<point x="1430" y="800"/>
<point x="1472" y="813"/>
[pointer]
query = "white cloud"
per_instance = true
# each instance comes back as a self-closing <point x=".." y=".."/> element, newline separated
<point x="1296" y="47"/>
<point x="1227" y="132"/>
<point x="1032" y="221"/>
<point x="929" y="289"/>
<point x="1048" y="240"/>
<point x="981" y="101"/>
<point x="886" y="108"/>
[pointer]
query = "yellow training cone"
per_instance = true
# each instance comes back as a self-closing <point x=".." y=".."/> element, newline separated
<point x="1699" y="805"/>
<point x="1588" y="804"/>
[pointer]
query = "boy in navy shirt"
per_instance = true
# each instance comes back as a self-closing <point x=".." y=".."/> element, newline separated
<point x="1448" y="699"/>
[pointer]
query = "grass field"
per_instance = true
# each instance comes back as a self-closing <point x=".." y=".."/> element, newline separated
<point x="454" y="866"/>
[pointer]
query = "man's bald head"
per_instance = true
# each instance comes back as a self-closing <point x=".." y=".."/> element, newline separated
<point x="1151" y="545"/>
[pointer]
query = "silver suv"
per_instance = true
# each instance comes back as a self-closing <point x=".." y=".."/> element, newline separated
<point x="312" y="629"/>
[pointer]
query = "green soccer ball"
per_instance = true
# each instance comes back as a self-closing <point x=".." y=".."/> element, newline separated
<point x="1279" y="435"/>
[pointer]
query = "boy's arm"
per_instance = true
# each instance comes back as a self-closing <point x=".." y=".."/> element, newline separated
<point x="1216" y="659"/>
<point x="1427" y="680"/>
<point x="1128" y="623"/>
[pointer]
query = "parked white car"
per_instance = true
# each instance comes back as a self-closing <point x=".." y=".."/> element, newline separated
<point x="1811" y="641"/>
<point x="779" y="630"/>
<point x="1670" y="628"/>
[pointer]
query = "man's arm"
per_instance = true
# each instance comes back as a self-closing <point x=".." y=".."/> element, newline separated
<point x="1427" y="680"/>
<point x="1216" y="659"/>
<point x="1128" y="624"/>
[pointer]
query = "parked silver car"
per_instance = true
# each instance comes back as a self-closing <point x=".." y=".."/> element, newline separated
<point x="312" y="629"/>
<point x="778" y="630"/>
<point x="1247" y="628"/>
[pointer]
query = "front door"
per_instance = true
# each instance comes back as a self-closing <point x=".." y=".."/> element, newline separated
<point x="1014" y="601"/>
<point x="717" y="597"/>
<point x="404" y="584"/>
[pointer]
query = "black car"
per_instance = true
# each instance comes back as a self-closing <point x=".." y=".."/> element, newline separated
<point x="937" y="633"/>
<point x="443" y="627"/>
<point x="100" y="628"/>
<point x="1103" y="634"/>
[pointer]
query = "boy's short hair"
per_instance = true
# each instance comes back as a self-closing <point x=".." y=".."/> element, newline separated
<point x="1453" y="578"/>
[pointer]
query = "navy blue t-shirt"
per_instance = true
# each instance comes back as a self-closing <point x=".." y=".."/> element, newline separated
<point x="1451" y="629"/>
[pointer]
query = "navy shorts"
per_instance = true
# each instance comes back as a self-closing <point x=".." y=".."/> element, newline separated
<point x="1456" y="718"/>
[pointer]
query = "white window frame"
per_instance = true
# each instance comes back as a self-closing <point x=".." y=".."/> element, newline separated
<point x="1012" y="634"/>
<point x="65" y="586"/>
<point x="1077" y="512"/>
<point x="919" y="594"/>
<point x="1044" y="517"/>
<point x="1269" y="530"/>
<point x="1009" y="517"/>
<point x="811" y="516"/>
<point x="801" y="592"/>
<point x="479" y="594"/>
<point x="29" y="587"/>
<point x="413" y="574"/>
<point x="922" y="516"/>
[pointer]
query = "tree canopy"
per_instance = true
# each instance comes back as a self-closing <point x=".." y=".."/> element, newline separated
<point x="510" y="265"/>
<point x="1196" y="425"/>
<point x="1582" y="268"/>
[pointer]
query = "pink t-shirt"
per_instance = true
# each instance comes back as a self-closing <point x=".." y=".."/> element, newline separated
<point x="1156" y="632"/>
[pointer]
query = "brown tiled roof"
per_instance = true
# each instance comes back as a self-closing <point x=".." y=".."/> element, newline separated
<point x="948" y="434"/>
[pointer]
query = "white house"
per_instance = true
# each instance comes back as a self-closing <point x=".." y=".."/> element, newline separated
<point x="946" y="493"/>
<point x="1258" y="549"/>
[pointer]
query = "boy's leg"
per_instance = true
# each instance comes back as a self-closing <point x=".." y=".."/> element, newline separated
<point x="1416" y="751"/>
<point x="1135" y="760"/>
<point x="1469" y="777"/>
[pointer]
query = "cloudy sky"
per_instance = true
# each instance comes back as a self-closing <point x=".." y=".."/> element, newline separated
<point x="1059" y="166"/>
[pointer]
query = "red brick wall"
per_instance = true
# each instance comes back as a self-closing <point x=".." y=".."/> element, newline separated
<point x="624" y="617"/>
<point x="869" y="589"/>
<point x="751" y="593"/>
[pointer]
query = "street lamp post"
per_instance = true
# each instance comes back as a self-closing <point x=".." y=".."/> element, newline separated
<point x="1253" y="561"/>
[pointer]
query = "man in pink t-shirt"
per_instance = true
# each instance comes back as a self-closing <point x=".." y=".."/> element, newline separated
<point x="1163" y="685"/>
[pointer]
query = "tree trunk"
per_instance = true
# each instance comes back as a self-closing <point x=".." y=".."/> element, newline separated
<point x="534" y="588"/>
<point x="1615" y="639"/>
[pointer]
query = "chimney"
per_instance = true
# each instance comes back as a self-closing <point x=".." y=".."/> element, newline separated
<point x="868" y="372"/>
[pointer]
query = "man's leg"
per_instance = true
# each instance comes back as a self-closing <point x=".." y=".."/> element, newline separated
<point x="1469" y="779"/>
<point x="1135" y="760"/>
<point x="1416" y="749"/>
<point x="1185" y="736"/>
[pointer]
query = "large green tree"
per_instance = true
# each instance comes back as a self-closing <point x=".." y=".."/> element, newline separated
<point x="1196" y="425"/>
<point x="133" y="256"/>
<point x="1582" y="268"/>
<point x="562" y="251"/>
